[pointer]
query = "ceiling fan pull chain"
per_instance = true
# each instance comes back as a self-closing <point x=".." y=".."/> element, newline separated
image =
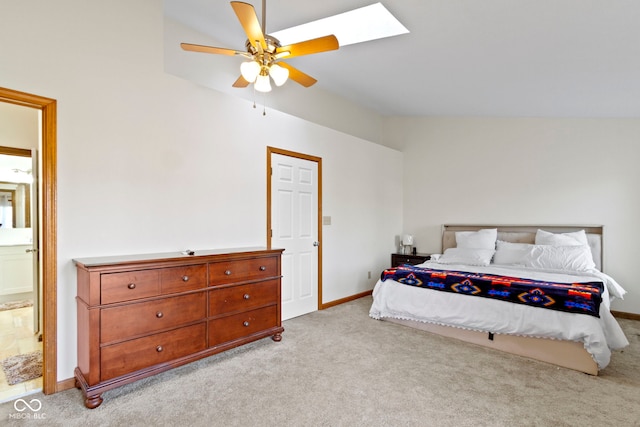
<point x="264" y="104"/>
<point x="254" y="96"/>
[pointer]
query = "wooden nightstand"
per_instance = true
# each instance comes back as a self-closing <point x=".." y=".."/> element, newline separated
<point x="399" y="259"/>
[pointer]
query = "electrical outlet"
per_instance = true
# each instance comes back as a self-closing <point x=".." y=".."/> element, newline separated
<point x="369" y="275"/>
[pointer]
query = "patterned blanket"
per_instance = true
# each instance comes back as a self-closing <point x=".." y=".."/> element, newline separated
<point x="582" y="298"/>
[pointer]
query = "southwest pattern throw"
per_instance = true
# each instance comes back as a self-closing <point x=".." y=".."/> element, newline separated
<point x="582" y="298"/>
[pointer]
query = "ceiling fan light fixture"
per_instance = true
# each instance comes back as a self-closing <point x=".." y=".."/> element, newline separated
<point x="250" y="70"/>
<point x="278" y="74"/>
<point x="262" y="83"/>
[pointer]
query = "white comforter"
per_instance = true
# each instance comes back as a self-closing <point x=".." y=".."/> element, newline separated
<point x="599" y="335"/>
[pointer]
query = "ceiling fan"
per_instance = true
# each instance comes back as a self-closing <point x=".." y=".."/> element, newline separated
<point x="264" y="52"/>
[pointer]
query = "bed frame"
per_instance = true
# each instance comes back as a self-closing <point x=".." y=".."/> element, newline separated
<point x="568" y="354"/>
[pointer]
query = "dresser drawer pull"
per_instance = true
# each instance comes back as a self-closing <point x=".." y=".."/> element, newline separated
<point x="185" y="278"/>
<point x="159" y="314"/>
<point x="263" y="268"/>
<point x="159" y="348"/>
<point x="131" y="286"/>
<point x="246" y="296"/>
<point x="227" y="272"/>
<point x="245" y="323"/>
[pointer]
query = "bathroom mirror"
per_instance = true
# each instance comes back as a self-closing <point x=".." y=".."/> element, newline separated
<point x="15" y="206"/>
<point x="15" y="191"/>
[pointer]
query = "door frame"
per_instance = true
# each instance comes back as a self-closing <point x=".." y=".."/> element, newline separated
<point x="48" y="242"/>
<point x="318" y="160"/>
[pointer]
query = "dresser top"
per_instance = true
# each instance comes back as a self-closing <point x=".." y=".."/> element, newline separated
<point x="170" y="256"/>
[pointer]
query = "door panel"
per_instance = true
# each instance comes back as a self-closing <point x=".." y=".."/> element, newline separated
<point x="285" y="214"/>
<point x="306" y="278"/>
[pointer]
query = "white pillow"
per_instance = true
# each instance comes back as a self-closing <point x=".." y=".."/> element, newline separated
<point x="468" y="256"/>
<point x="508" y="253"/>
<point x="561" y="239"/>
<point x="571" y="258"/>
<point x="481" y="239"/>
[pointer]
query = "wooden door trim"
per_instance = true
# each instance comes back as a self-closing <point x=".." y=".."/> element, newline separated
<point x="48" y="243"/>
<point x="318" y="160"/>
<point x="12" y="151"/>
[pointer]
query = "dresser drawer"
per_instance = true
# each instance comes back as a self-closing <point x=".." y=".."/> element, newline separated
<point x="123" y="358"/>
<point x="243" y="297"/>
<point x="129" y="285"/>
<point x="120" y="323"/>
<point x="180" y="279"/>
<point x="242" y="324"/>
<point x="242" y="270"/>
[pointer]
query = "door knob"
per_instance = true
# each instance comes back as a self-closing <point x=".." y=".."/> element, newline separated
<point x="316" y="243"/>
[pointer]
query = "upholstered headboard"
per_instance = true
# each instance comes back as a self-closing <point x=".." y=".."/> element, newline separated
<point x="527" y="234"/>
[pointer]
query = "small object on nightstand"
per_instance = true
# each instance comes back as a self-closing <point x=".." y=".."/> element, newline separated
<point x="407" y="242"/>
<point x="399" y="259"/>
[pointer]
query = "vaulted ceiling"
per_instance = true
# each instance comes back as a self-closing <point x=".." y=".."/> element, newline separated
<point x="523" y="58"/>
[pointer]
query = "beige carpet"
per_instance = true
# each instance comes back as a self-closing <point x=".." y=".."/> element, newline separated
<point x="22" y="367"/>
<point x="338" y="367"/>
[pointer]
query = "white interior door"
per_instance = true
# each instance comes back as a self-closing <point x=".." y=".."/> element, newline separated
<point x="294" y="227"/>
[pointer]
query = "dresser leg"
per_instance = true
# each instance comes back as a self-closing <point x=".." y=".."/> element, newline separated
<point x="92" y="402"/>
<point x="277" y="337"/>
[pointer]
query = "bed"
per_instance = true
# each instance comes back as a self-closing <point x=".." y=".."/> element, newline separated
<point x="569" y="258"/>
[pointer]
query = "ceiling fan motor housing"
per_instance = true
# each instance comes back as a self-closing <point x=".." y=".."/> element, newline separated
<point x="267" y="57"/>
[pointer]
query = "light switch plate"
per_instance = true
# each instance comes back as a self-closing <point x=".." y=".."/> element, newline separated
<point x="326" y="220"/>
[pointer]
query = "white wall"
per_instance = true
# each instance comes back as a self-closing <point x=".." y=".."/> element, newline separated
<point x="148" y="162"/>
<point x="525" y="171"/>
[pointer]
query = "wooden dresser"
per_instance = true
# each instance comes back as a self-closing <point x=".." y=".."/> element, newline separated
<point x="139" y="315"/>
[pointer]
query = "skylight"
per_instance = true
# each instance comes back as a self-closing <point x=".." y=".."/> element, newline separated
<point x="356" y="26"/>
